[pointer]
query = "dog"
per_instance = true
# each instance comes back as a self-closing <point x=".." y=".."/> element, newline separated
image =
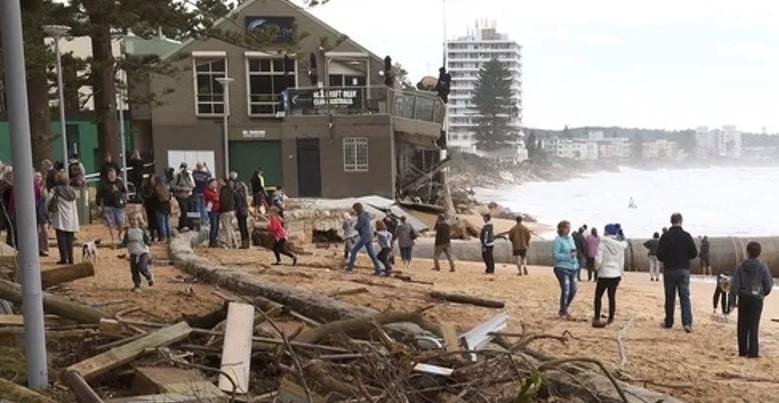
<point x="89" y="251"/>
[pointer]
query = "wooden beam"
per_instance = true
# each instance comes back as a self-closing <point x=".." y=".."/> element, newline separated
<point x="18" y="320"/>
<point x="450" y="337"/>
<point x="13" y="392"/>
<point x="54" y="304"/>
<point x="64" y="274"/>
<point x="467" y="299"/>
<point x="95" y="366"/>
<point x="237" y="347"/>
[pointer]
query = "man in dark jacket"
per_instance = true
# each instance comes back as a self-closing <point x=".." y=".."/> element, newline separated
<point x="241" y="209"/>
<point x="581" y="247"/>
<point x="227" y="213"/>
<point x="675" y="250"/>
<point x="752" y="282"/>
<point x="704" y="256"/>
<point x="487" y="238"/>
<point x="443" y="243"/>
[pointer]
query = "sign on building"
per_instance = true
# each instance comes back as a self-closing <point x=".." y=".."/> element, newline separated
<point x="275" y="29"/>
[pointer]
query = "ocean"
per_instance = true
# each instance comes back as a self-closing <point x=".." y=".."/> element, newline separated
<point x="723" y="201"/>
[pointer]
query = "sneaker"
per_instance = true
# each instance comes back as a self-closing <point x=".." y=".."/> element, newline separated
<point x="688" y="329"/>
<point x="295" y="261"/>
<point x="598" y="324"/>
<point x="137" y="290"/>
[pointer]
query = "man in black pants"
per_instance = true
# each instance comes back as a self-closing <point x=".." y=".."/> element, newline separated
<point x="675" y="250"/>
<point x="487" y="238"/>
<point x="751" y="283"/>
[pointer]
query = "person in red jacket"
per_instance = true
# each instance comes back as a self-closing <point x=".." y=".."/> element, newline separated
<point x="280" y="246"/>
<point x="211" y="198"/>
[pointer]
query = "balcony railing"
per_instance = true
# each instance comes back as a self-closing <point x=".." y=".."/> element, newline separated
<point x="364" y="100"/>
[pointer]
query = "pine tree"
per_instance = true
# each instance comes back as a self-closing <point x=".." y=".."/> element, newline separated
<point x="492" y="98"/>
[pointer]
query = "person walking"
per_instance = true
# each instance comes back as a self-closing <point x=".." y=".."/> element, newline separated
<point x="135" y="164"/>
<point x="136" y="240"/>
<point x="201" y="176"/>
<point x="581" y="250"/>
<point x="182" y="187"/>
<point x="487" y="239"/>
<point x="406" y="239"/>
<point x="41" y="215"/>
<point x="566" y="264"/>
<point x="384" y="238"/>
<point x="443" y="243"/>
<point x="63" y="215"/>
<point x="149" y="205"/>
<point x="227" y="214"/>
<point x="610" y="262"/>
<point x="161" y="204"/>
<point x="704" y="256"/>
<point x="212" y="205"/>
<point x="350" y="235"/>
<point x="654" y="264"/>
<point x="111" y="200"/>
<point x="365" y="233"/>
<point x="592" y="243"/>
<point x="752" y="282"/>
<point x="519" y="236"/>
<point x="241" y="192"/>
<point x="280" y="245"/>
<point x="259" y="194"/>
<point x="675" y="249"/>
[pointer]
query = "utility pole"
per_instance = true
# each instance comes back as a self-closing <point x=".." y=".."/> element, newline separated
<point x="225" y="81"/>
<point x="28" y="269"/>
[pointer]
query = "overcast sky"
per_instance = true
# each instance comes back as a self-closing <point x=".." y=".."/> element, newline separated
<point x="661" y="64"/>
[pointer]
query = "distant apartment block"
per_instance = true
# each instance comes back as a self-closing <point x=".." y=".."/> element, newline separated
<point x="595" y="146"/>
<point x="662" y="150"/>
<point x="465" y="56"/>
<point x="719" y="143"/>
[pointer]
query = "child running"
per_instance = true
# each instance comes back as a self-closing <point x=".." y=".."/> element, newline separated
<point x="752" y="282"/>
<point x="136" y="240"/>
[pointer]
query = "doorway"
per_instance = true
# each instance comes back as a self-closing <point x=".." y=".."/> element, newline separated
<point x="309" y="169"/>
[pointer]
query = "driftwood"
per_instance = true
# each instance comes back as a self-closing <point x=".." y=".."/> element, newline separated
<point x="17" y="393"/>
<point x="102" y="363"/>
<point x="353" y="291"/>
<point x="408" y="279"/>
<point x="54" y="304"/>
<point x="64" y="274"/>
<point x="357" y="324"/>
<point x="467" y="299"/>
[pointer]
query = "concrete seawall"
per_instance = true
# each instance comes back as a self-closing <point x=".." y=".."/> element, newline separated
<point x="726" y="253"/>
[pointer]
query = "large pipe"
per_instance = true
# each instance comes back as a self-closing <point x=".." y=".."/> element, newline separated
<point x="726" y="253"/>
<point x="28" y="268"/>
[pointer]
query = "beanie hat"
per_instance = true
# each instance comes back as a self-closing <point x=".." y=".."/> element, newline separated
<point x="612" y="229"/>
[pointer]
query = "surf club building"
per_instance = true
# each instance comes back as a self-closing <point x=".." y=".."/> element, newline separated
<point x="305" y="103"/>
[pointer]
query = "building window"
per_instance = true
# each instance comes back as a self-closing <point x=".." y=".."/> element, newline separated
<point x="209" y="93"/>
<point x="267" y="78"/>
<point x="355" y="154"/>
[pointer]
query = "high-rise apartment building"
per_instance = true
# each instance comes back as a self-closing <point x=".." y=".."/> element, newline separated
<point x="465" y="56"/>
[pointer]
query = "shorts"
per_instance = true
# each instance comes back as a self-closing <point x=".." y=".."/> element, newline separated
<point x="521" y="253"/>
<point x="405" y="254"/>
<point x="114" y="217"/>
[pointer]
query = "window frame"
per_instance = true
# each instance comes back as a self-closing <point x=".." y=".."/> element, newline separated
<point x="250" y="56"/>
<point x="211" y="56"/>
<point x="356" y="166"/>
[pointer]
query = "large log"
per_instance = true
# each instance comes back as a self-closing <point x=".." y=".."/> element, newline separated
<point x="10" y="391"/>
<point x="102" y="363"/>
<point x="467" y="299"/>
<point x="64" y="274"/>
<point x="54" y="304"/>
<point x="357" y="324"/>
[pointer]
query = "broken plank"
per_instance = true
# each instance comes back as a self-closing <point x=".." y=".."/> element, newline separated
<point x="433" y="369"/>
<point x="481" y="335"/>
<point x="116" y="357"/>
<point x="154" y="380"/>
<point x="237" y="348"/>
<point x="353" y="291"/>
<point x="64" y="274"/>
<point x="160" y="398"/>
<point x="467" y="299"/>
<point x="54" y="304"/>
<point x="17" y="393"/>
<point x="112" y="327"/>
<point x="450" y="337"/>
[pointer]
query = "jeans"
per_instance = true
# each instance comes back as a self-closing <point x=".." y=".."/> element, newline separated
<point x="489" y="259"/>
<point x="611" y="285"/>
<point x="200" y="206"/>
<point x="163" y="225"/>
<point x="677" y="281"/>
<point x="213" y="228"/>
<point x="721" y="296"/>
<point x="43" y="239"/>
<point x="749" y="311"/>
<point x="368" y="245"/>
<point x="567" y="280"/>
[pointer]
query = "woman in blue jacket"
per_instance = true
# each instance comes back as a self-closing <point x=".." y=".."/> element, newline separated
<point x="565" y="267"/>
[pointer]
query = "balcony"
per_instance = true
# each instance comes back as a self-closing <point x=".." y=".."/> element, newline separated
<point x="413" y="113"/>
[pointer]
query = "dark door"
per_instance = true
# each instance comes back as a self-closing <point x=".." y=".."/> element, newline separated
<point x="309" y="172"/>
<point x="246" y="156"/>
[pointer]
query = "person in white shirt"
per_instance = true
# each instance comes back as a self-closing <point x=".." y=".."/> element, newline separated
<point x="610" y="263"/>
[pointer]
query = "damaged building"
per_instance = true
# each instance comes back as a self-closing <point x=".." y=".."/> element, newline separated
<point x="306" y="103"/>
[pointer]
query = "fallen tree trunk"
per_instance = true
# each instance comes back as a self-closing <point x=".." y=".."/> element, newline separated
<point x="467" y="299"/>
<point x="54" y="304"/>
<point x="358" y="324"/>
<point x="10" y="391"/>
<point x="64" y="274"/>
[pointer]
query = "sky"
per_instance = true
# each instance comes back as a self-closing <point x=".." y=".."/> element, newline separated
<point x="662" y="64"/>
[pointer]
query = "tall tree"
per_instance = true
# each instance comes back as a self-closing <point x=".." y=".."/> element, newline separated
<point x="492" y="98"/>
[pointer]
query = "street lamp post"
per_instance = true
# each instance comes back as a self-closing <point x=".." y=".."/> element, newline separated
<point x="225" y="81"/>
<point x="57" y="32"/>
<point x="120" y="106"/>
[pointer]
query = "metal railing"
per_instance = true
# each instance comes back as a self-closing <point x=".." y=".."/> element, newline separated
<point x="415" y="105"/>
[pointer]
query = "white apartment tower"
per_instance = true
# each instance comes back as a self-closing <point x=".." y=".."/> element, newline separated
<point x="464" y="58"/>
